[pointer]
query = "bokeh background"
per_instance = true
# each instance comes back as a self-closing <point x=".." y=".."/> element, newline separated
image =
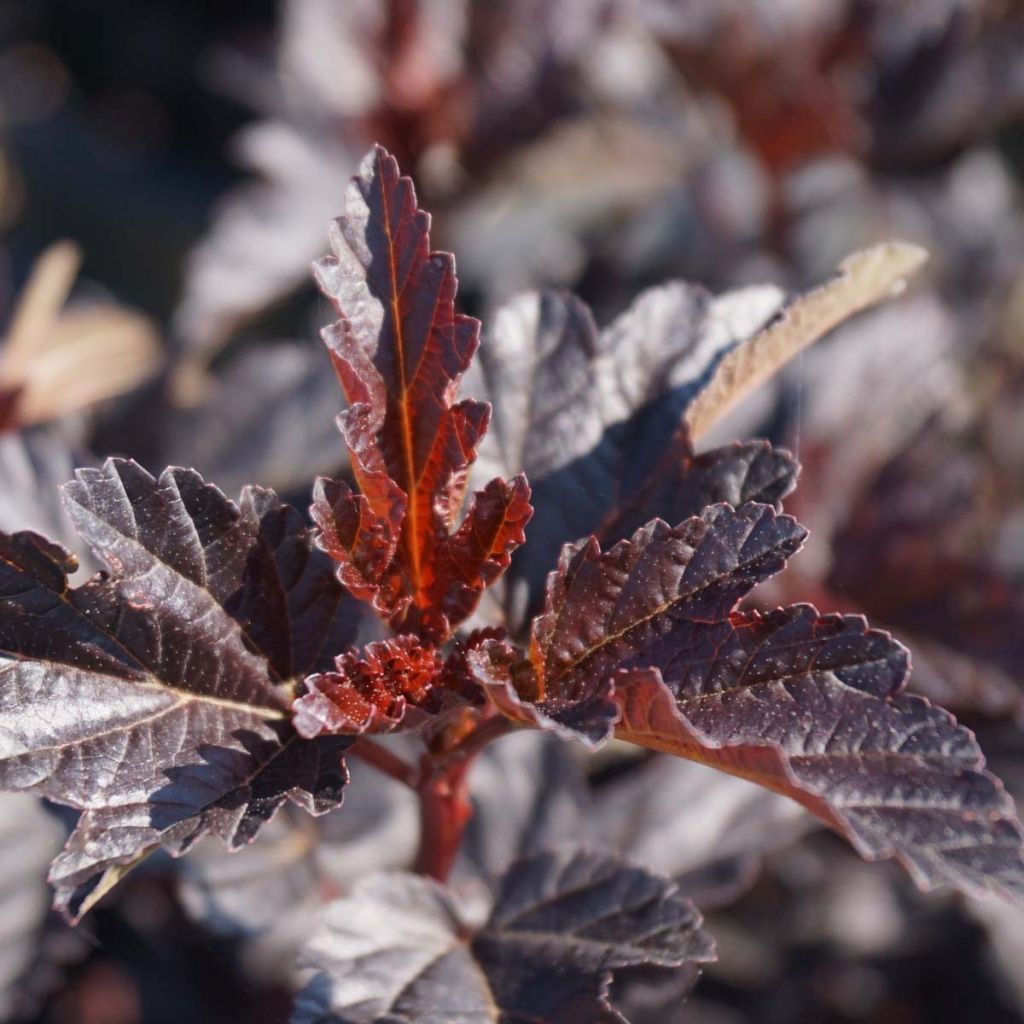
<point x="167" y="173"/>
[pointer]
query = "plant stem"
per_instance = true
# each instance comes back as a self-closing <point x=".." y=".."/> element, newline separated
<point x="482" y="736"/>
<point x="445" y="808"/>
<point x="445" y="811"/>
<point x="384" y="761"/>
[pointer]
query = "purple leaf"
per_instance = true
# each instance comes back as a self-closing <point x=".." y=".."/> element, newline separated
<point x="401" y="949"/>
<point x="155" y="699"/>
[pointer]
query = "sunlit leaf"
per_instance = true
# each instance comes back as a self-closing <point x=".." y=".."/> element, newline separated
<point x="156" y="699"/>
<point x="399" y="350"/>
<point x="807" y="705"/>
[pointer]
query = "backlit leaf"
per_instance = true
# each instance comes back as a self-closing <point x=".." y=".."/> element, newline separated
<point x="399" y="350"/>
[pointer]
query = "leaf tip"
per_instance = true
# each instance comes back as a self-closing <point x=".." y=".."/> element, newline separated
<point x="888" y="265"/>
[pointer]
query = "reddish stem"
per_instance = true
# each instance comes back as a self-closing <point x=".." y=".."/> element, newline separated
<point x="384" y="761"/>
<point x="445" y="811"/>
<point x="481" y="736"/>
<point x="445" y="808"/>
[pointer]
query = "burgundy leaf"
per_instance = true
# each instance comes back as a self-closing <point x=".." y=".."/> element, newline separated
<point x="401" y="684"/>
<point x="511" y="683"/>
<point x="399" y="350"/>
<point x="156" y="699"/>
<point x="362" y="542"/>
<point x="400" y="947"/>
<point x="368" y="691"/>
<point x="897" y="777"/>
<point x="288" y="605"/>
<point x="481" y="549"/>
<point x="684" y="484"/>
<point x="597" y="421"/>
<point x="619" y="609"/>
<point x="805" y="704"/>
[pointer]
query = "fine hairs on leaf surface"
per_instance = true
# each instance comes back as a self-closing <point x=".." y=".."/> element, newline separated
<point x="211" y="674"/>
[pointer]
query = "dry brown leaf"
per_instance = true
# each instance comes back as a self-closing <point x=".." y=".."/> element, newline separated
<point x="40" y="302"/>
<point x="862" y="279"/>
<point x="61" y="362"/>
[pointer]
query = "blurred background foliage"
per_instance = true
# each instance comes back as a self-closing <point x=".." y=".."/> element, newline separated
<point x="193" y="155"/>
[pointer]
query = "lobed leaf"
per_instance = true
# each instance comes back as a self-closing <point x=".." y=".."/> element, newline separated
<point x="397" y="685"/>
<point x="400" y="949"/>
<point x="603" y="428"/>
<point x="805" y="704"/>
<point x="684" y="484"/>
<point x="597" y="423"/>
<point x="808" y="705"/>
<point x="624" y="608"/>
<point x="156" y="699"/>
<point x="368" y="691"/>
<point x="399" y="350"/>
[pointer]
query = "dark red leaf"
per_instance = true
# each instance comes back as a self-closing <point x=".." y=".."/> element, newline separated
<point x="684" y="484"/>
<point x="399" y="684"/>
<point x="608" y="611"/>
<point x="562" y="922"/>
<point x="399" y="350"/>
<point x="808" y="705"/>
<point x="511" y="683"/>
<point x="156" y="699"/>
<point x="597" y="428"/>
<point x="481" y="548"/>
<point x="368" y="691"/>
<point x="351" y="532"/>
<point x="805" y="704"/>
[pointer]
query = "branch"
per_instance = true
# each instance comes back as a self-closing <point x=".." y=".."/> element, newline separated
<point x="384" y="761"/>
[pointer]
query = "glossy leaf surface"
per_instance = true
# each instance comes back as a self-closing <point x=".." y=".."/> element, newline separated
<point x="805" y="704"/>
<point x="399" y="350"/>
<point x="155" y="699"/>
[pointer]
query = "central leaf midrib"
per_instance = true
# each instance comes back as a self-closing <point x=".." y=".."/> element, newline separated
<point x="412" y="497"/>
<point x="182" y="698"/>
